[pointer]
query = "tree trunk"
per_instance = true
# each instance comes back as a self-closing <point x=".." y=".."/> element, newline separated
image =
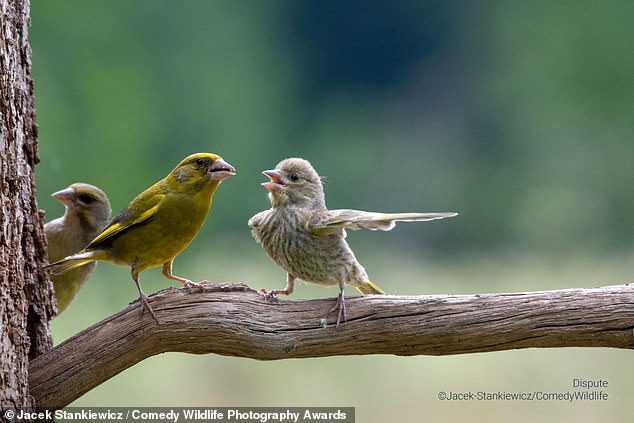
<point x="26" y="302"/>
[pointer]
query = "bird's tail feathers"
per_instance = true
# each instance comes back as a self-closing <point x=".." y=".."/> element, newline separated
<point x="73" y="261"/>
<point x="371" y="288"/>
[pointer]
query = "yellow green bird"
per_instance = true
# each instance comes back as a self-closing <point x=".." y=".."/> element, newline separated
<point x="87" y="210"/>
<point x="159" y="223"/>
<point x="308" y="241"/>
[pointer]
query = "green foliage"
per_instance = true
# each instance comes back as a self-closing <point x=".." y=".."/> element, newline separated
<point x="517" y="116"/>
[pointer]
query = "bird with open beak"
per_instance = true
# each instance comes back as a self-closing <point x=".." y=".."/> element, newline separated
<point x="158" y="224"/>
<point x="309" y="241"/>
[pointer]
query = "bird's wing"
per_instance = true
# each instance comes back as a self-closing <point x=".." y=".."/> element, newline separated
<point x="140" y="210"/>
<point x="335" y="220"/>
<point x="257" y="219"/>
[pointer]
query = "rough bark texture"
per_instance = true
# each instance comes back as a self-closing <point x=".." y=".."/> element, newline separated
<point x="233" y="320"/>
<point x="25" y="294"/>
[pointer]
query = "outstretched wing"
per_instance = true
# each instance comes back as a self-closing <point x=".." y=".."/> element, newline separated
<point x="335" y="220"/>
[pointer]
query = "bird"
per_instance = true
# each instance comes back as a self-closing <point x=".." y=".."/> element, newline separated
<point x="308" y="240"/>
<point x="87" y="211"/>
<point x="158" y="224"/>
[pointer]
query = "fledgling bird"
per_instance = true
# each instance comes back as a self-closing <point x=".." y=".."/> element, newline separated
<point x="87" y="210"/>
<point x="158" y="224"/>
<point x="308" y="241"/>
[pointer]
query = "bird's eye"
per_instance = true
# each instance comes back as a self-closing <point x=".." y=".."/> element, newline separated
<point x="200" y="162"/>
<point x="294" y="177"/>
<point x="86" y="198"/>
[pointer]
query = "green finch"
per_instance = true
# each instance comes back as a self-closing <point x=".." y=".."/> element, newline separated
<point x="158" y="224"/>
<point x="308" y="241"/>
<point x="87" y="210"/>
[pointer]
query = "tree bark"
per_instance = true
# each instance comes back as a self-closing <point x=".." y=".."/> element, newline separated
<point x="233" y="320"/>
<point x="26" y="294"/>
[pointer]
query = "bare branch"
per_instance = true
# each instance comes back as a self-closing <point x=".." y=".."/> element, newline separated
<point x="233" y="320"/>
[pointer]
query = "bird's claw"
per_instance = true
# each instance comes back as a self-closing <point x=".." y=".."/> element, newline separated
<point x="145" y="305"/>
<point x="268" y="295"/>
<point x="340" y="308"/>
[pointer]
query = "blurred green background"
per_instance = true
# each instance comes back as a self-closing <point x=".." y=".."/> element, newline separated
<point x="517" y="115"/>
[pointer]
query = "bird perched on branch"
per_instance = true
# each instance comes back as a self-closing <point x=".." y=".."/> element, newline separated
<point x="158" y="224"/>
<point x="308" y="241"/>
<point x="87" y="210"/>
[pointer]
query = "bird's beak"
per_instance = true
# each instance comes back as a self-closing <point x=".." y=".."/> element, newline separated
<point x="276" y="182"/>
<point x="65" y="196"/>
<point x="221" y="170"/>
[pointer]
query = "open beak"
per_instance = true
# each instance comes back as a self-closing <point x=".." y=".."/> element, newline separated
<point x="221" y="170"/>
<point x="65" y="196"/>
<point x="276" y="182"/>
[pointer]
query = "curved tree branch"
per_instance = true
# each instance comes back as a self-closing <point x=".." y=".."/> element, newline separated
<point x="234" y="320"/>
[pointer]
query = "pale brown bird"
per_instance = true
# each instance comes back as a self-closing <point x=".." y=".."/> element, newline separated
<point x="158" y="224"/>
<point x="87" y="210"/>
<point x="308" y="241"/>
